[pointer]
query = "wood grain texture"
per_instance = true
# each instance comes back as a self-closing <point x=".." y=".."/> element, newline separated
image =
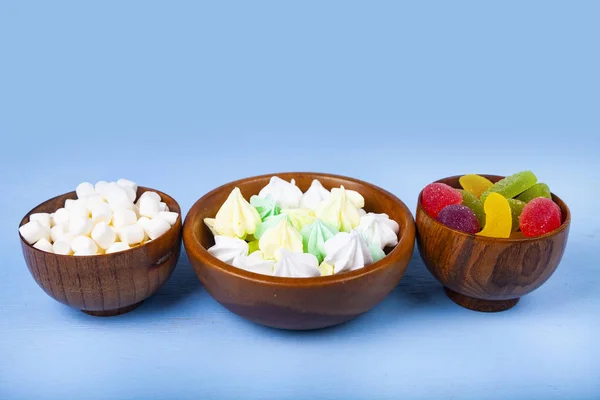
<point x="298" y="303"/>
<point x="488" y="274"/>
<point x="107" y="284"/>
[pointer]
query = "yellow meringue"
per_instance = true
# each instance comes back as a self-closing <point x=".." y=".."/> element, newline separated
<point x="341" y="209"/>
<point x="280" y="236"/>
<point x="236" y="217"/>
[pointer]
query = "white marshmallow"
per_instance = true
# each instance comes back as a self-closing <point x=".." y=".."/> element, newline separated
<point x="60" y="233"/>
<point x="100" y="187"/>
<point x="79" y="225"/>
<point x="42" y="218"/>
<point x="61" y="216"/>
<point x="62" y="247"/>
<point x="94" y="200"/>
<point x="132" y="234"/>
<point x="85" y="189"/>
<point x="127" y="183"/>
<point x="118" y="246"/>
<point x="123" y="218"/>
<point x="117" y="197"/>
<point x="130" y="194"/>
<point x="153" y="195"/>
<point x="83" y="246"/>
<point x="103" y="235"/>
<point x="101" y="213"/>
<point x="77" y="207"/>
<point x="143" y="221"/>
<point x="34" y="231"/>
<point x="169" y="216"/>
<point x="149" y="207"/>
<point x="44" y="245"/>
<point x="162" y="206"/>
<point x="156" y="227"/>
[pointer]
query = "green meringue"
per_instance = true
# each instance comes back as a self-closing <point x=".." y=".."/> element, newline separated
<point x="266" y="207"/>
<point x="314" y="237"/>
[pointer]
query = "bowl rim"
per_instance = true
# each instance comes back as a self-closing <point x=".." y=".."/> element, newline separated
<point x="562" y="227"/>
<point x="193" y="245"/>
<point x="70" y="256"/>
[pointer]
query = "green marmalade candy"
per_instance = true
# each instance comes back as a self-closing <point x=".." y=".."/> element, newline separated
<point x="469" y="200"/>
<point x="516" y="208"/>
<point x="511" y="186"/>
<point x="537" y="190"/>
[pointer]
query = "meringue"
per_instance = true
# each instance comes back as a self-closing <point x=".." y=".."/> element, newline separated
<point x="236" y="217"/>
<point x="325" y="269"/>
<point x="227" y="248"/>
<point x="286" y="194"/>
<point x="379" y="230"/>
<point x="299" y="217"/>
<point x="296" y="265"/>
<point x="347" y="252"/>
<point x="341" y="209"/>
<point x="314" y="237"/>
<point x="255" y="262"/>
<point x="315" y="194"/>
<point x="280" y="236"/>
<point x="266" y="207"/>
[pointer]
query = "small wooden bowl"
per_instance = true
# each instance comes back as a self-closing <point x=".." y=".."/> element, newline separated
<point x="298" y="303"/>
<point x="488" y="274"/>
<point x="105" y="284"/>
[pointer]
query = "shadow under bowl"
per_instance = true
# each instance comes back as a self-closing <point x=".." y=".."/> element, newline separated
<point x="105" y="284"/>
<point x="298" y="303"/>
<point x="488" y="274"/>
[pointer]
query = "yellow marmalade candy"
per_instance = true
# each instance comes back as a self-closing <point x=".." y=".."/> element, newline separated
<point x="475" y="184"/>
<point x="498" y="217"/>
<point x="236" y="217"/>
<point x="280" y="236"/>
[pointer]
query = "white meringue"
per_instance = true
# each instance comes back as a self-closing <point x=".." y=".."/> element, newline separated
<point x="227" y="248"/>
<point x="341" y="209"/>
<point x="347" y="252"/>
<point x="315" y="194"/>
<point x="379" y="230"/>
<point x="255" y="262"/>
<point x="236" y="217"/>
<point x="296" y="265"/>
<point x="285" y="193"/>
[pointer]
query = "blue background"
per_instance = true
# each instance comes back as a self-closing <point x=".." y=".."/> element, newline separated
<point x="185" y="96"/>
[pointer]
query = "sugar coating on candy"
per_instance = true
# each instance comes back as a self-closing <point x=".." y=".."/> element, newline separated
<point x="511" y="186"/>
<point x="437" y="196"/>
<point x="537" y="190"/>
<point x="475" y="184"/>
<point x="516" y="207"/>
<point x="459" y="217"/>
<point x="498" y="217"/>
<point x="469" y="200"/>
<point x="540" y="216"/>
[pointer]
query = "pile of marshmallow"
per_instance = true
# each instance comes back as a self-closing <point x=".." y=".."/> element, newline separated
<point x="104" y="219"/>
<point x="284" y="232"/>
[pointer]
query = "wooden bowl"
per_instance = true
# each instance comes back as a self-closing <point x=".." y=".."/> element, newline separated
<point x="105" y="284"/>
<point x="298" y="303"/>
<point x="488" y="274"/>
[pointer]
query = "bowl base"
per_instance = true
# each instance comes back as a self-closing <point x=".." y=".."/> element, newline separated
<point x="112" y="313"/>
<point x="480" y="304"/>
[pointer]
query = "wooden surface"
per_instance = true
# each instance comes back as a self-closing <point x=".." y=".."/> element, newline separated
<point x="106" y="284"/>
<point x="298" y="303"/>
<point x="488" y="274"/>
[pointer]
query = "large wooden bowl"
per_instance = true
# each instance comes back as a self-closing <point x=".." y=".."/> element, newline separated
<point x="298" y="303"/>
<point x="105" y="284"/>
<point x="488" y="274"/>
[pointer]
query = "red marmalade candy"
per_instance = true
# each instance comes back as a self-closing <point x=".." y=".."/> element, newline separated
<point x="437" y="196"/>
<point x="459" y="217"/>
<point x="539" y="217"/>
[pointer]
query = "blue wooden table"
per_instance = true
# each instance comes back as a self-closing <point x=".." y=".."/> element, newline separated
<point x="186" y="96"/>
